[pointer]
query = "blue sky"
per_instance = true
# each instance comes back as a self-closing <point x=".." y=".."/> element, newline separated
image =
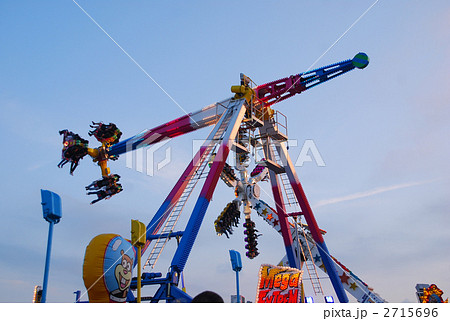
<point x="383" y="196"/>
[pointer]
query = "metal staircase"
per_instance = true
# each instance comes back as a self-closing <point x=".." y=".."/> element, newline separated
<point x="309" y="260"/>
<point x="200" y="170"/>
<point x="289" y="194"/>
<point x="303" y="246"/>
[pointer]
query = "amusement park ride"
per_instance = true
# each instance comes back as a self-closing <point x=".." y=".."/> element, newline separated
<point x="247" y="125"/>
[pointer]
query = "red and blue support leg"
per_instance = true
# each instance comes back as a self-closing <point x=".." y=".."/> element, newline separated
<point x="190" y="234"/>
<point x="312" y="224"/>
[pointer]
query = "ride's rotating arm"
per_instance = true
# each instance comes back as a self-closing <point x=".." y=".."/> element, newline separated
<point x="258" y="98"/>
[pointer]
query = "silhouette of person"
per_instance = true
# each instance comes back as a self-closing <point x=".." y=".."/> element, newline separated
<point x="207" y="297"/>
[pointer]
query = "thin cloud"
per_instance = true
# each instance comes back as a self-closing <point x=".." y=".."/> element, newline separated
<point x="37" y="166"/>
<point x="372" y="192"/>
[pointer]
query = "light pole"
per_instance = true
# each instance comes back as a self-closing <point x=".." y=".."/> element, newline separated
<point x="236" y="265"/>
<point x="51" y="208"/>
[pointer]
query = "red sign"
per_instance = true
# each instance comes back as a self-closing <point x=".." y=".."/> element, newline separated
<point x="279" y="284"/>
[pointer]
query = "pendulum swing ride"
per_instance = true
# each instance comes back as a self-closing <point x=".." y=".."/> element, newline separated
<point x="242" y="123"/>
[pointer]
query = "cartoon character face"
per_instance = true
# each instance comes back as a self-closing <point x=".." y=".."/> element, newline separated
<point x="123" y="271"/>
